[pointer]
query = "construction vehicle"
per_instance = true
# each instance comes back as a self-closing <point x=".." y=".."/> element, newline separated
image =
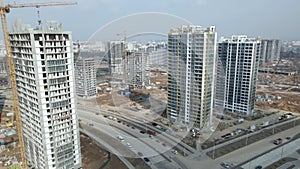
<point x="11" y="69"/>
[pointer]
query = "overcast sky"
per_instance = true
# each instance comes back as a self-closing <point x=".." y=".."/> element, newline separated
<point x="264" y="18"/>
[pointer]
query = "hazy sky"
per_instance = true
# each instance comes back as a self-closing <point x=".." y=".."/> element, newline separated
<point x="264" y="18"/>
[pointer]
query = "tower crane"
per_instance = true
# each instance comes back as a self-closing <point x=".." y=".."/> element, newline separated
<point x="12" y="74"/>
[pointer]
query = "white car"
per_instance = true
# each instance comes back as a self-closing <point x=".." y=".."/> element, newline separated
<point x="128" y="144"/>
<point x="120" y="138"/>
<point x="174" y="151"/>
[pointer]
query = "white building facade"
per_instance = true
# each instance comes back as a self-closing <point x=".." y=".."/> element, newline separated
<point x="191" y="62"/>
<point x="45" y="80"/>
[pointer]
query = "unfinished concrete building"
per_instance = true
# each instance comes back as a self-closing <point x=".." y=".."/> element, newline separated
<point x="238" y="59"/>
<point x="191" y="62"/>
<point x="116" y="57"/>
<point x="270" y="51"/>
<point x="44" y="67"/>
<point x="138" y="69"/>
<point x="85" y="73"/>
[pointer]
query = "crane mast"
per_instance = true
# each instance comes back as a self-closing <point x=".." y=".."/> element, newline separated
<point x="11" y="68"/>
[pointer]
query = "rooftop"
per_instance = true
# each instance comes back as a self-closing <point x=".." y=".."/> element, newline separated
<point x="49" y="26"/>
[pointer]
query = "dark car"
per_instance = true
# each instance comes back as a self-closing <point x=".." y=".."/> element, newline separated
<point x="140" y="154"/>
<point x="224" y="165"/>
<point x="258" y="167"/>
<point x="146" y="159"/>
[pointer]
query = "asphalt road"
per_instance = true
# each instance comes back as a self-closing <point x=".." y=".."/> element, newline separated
<point x="264" y="133"/>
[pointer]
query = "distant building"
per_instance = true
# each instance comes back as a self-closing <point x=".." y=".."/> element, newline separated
<point x="3" y="65"/>
<point x="138" y="69"/>
<point x="116" y="53"/>
<point x="270" y="51"/>
<point x="85" y="75"/>
<point x="191" y="69"/>
<point x="3" y="60"/>
<point x="238" y="60"/>
<point x="158" y="57"/>
<point x="45" y="81"/>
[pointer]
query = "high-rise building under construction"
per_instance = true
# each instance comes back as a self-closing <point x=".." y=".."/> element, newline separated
<point x="43" y="59"/>
<point x="238" y="59"/>
<point x="191" y="63"/>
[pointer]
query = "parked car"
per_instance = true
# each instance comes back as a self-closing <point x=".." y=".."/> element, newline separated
<point x="277" y="141"/>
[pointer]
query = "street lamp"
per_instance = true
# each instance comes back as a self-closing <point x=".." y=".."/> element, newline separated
<point x="214" y="148"/>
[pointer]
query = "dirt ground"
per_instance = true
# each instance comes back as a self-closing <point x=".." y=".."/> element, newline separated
<point x="290" y="100"/>
<point x="93" y="156"/>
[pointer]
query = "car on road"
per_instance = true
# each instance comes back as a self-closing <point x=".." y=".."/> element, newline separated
<point x="91" y="124"/>
<point x="258" y="167"/>
<point x="277" y="141"/>
<point x="129" y="145"/>
<point x="143" y="132"/>
<point x="120" y="138"/>
<point x="140" y="154"/>
<point x="174" y="151"/>
<point x="147" y="161"/>
<point x="288" y="138"/>
<point x="225" y="165"/>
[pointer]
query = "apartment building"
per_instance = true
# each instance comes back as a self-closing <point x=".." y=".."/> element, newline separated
<point x="45" y="77"/>
<point x="270" y="51"/>
<point x="191" y="62"/>
<point x="138" y="69"/>
<point x="238" y="59"/>
<point x="85" y="75"/>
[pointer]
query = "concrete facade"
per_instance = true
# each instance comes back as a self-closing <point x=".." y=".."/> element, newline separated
<point x="138" y="69"/>
<point x="44" y="67"/>
<point x="238" y="59"/>
<point x="85" y="75"/>
<point x="191" y="62"/>
<point x="116" y="57"/>
<point x="270" y="51"/>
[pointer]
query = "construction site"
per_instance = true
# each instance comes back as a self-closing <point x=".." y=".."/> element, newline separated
<point x="277" y="100"/>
